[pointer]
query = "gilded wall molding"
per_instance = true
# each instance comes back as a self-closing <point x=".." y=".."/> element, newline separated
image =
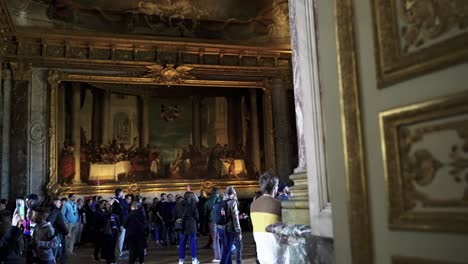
<point x="415" y="37"/>
<point x="414" y="167"/>
<point x="57" y="77"/>
<point x="415" y="260"/>
<point x="351" y="122"/>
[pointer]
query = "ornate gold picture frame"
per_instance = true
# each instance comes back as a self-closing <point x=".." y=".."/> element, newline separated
<point x="245" y="187"/>
<point x="425" y="153"/>
<point x="414" y="37"/>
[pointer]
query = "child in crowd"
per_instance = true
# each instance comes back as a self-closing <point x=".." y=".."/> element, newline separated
<point x="43" y="240"/>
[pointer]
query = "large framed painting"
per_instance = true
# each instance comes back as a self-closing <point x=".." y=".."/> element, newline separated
<point x="414" y="37"/>
<point x="150" y="133"/>
<point x="425" y="152"/>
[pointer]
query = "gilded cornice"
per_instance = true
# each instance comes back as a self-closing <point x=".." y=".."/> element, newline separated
<point x="122" y="52"/>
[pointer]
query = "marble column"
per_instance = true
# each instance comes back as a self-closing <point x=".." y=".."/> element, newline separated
<point x="282" y="129"/>
<point x="145" y="119"/>
<point x="76" y="128"/>
<point x="96" y="134"/>
<point x="7" y="90"/>
<point x="254" y="130"/>
<point x="296" y="210"/>
<point x="196" y="129"/>
<point x="106" y="122"/>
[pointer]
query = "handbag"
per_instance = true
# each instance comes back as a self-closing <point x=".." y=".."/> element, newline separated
<point x="179" y="222"/>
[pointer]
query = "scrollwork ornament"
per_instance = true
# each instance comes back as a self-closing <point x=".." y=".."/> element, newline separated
<point x="133" y="188"/>
<point x="54" y="77"/>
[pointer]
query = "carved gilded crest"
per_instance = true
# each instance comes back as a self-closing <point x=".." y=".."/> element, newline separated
<point x="169" y="74"/>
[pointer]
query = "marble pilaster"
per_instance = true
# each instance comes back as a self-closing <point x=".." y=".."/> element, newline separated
<point x="37" y="156"/>
<point x="7" y="90"/>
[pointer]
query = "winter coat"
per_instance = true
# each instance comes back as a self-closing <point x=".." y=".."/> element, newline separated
<point x="10" y="246"/>
<point x="43" y="241"/>
<point x="135" y="224"/>
<point x="189" y="212"/>
<point x="57" y="221"/>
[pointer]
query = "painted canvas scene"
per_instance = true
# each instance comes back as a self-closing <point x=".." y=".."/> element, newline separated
<point x="134" y="135"/>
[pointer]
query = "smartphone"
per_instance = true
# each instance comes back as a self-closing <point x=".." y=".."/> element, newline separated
<point x="20" y="207"/>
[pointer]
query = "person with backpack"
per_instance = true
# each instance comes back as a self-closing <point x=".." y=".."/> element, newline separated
<point x="186" y="212"/>
<point x="227" y="220"/>
<point x="213" y="229"/>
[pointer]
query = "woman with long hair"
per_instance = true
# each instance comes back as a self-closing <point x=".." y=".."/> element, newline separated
<point x="188" y="213"/>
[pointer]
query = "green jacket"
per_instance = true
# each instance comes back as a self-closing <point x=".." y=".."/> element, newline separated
<point x="209" y="205"/>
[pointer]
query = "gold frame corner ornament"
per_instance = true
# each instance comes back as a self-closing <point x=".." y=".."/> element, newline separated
<point x="416" y="260"/>
<point x="401" y="194"/>
<point x="355" y="160"/>
<point x="393" y="65"/>
<point x="56" y="77"/>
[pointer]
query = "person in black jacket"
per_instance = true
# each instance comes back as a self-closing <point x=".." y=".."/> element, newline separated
<point x="187" y="210"/>
<point x="100" y="215"/>
<point x="135" y="224"/>
<point x="10" y="241"/>
<point x="61" y="230"/>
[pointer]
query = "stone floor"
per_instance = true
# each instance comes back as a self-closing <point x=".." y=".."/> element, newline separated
<point x="161" y="255"/>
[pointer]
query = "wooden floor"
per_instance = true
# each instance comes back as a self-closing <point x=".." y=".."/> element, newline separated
<point x="160" y="254"/>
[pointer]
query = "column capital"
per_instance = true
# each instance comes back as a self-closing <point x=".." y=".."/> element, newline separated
<point x="21" y="71"/>
<point x="54" y="77"/>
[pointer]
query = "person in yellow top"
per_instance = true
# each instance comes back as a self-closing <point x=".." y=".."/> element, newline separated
<point x="264" y="211"/>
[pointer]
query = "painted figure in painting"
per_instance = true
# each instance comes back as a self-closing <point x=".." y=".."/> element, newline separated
<point x="67" y="165"/>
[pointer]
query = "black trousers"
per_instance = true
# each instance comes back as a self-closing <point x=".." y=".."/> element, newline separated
<point x="136" y="248"/>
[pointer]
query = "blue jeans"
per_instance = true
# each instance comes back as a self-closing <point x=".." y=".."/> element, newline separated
<point x="214" y="234"/>
<point x="239" y="246"/>
<point x="193" y="244"/>
<point x="227" y="240"/>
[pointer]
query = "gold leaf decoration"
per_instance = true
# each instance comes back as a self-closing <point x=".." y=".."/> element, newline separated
<point x="168" y="74"/>
<point x="431" y="19"/>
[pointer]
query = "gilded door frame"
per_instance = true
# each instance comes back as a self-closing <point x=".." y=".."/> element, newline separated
<point x="362" y="251"/>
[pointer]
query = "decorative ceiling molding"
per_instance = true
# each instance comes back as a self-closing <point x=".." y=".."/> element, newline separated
<point x="6" y="24"/>
<point x="7" y="28"/>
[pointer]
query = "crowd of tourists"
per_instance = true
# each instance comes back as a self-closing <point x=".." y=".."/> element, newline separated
<point x="123" y="226"/>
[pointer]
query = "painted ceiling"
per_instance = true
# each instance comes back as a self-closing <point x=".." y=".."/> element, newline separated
<point x="251" y="21"/>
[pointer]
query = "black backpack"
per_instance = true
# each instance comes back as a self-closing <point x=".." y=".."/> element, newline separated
<point x="219" y="213"/>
